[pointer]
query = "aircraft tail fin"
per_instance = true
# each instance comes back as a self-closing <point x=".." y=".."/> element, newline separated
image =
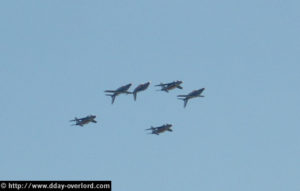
<point x="151" y="128"/>
<point x="161" y="84"/>
<point x="134" y="96"/>
<point x="185" y="102"/>
<point x="110" y="91"/>
<point x="113" y="97"/>
<point x="152" y="133"/>
<point x="75" y="119"/>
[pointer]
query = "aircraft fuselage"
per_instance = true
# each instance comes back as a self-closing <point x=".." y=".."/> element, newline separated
<point x="123" y="89"/>
<point x="141" y="87"/>
<point x="195" y="93"/>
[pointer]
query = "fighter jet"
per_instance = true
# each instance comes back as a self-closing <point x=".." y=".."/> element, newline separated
<point x="169" y="86"/>
<point x="85" y="120"/>
<point x="160" y="129"/>
<point x="120" y="90"/>
<point x="140" y="88"/>
<point x="193" y="94"/>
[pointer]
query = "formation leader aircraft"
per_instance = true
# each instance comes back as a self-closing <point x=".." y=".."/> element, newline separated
<point x="193" y="94"/>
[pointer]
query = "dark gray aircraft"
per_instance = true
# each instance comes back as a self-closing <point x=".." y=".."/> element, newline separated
<point x="160" y="129"/>
<point x="85" y="120"/>
<point x="193" y="94"/>
<point x="120" y="90"/>
<point x="169" y="86"/>
<point x="140" y="88"/>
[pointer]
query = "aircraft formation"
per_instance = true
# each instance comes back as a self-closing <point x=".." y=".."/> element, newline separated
<point x="166" y="87"/>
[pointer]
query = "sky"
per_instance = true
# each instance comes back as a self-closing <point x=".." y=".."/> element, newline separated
<point x="58" y="57"/>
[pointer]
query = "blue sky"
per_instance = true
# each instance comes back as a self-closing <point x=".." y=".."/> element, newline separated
<point x="57" y="58"/>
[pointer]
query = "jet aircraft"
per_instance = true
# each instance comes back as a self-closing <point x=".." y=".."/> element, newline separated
<point x="139" y="88"/>
<point x="120" y="90"/>
<point x="84" y="120"/>
<point x="160" y="129"/>
<point x="169" y="86"/>
<point x="193" y="94"/>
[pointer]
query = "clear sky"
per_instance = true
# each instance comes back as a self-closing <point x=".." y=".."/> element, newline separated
<point x="57" y="57"/>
